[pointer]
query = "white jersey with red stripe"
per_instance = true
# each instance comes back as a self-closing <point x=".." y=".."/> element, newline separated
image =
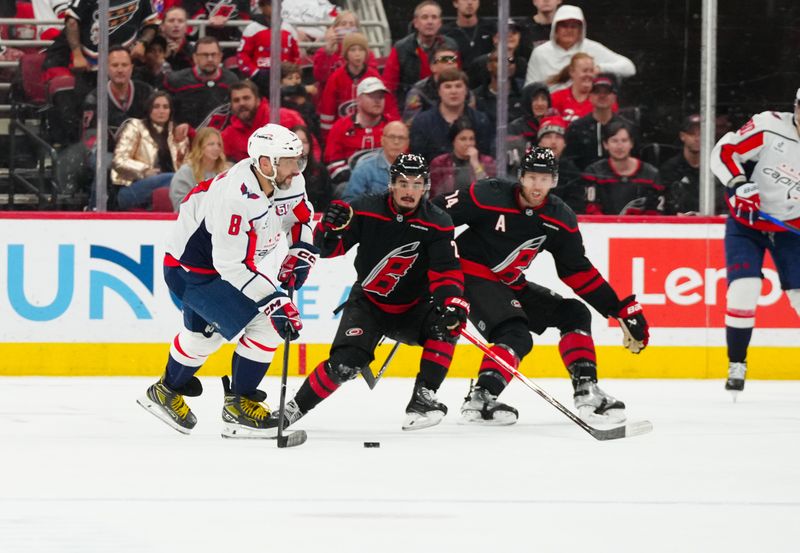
<point x="227" y="225"/>
<point x="771" y="140"/>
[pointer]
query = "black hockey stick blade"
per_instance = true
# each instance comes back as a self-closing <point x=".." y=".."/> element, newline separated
<point x="293" y="439"/>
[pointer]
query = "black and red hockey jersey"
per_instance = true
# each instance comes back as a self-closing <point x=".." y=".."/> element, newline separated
<point x="126" y="18"/>
<point x="502" y="239"/>
<point x="401" y="258"/>
<point x="609" y="193"/>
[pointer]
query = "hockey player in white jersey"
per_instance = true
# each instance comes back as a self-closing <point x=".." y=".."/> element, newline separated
<point x="771" y="140"/>
<point x="227" y="226"/>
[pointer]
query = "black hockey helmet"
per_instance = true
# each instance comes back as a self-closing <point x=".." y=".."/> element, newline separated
<point x="409" y="165"/>
<point x="540" y="160"/>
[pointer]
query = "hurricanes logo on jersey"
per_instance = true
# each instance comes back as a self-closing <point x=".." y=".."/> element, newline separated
<point x="388" y="271"/>
<point x="117" y="17"/>
<point x="510" y="269"/>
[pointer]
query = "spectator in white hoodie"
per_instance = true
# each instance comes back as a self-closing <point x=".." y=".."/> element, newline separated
<point x="567" y="38"/>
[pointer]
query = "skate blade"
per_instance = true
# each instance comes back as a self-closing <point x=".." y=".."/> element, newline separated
<point x="239" y="432"/>
<point x="501" y="418"/>
<point x="154" y="409"/>
<point x="417" y="421"/>
<point x="612" y="416"/>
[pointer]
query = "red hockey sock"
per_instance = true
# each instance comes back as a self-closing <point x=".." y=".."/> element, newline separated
<point x="436" y="358"/>
<point x="316" y="387"/>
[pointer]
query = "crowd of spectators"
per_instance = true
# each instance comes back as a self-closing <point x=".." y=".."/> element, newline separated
<point x="182" y="105"/>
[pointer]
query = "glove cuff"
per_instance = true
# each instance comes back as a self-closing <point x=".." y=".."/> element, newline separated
<point x="736" y="181"/>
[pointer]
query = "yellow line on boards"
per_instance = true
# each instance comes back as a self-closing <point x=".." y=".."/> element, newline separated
<point x="32" y="359"/>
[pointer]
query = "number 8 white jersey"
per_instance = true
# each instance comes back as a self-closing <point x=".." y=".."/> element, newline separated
<point x="227" y="225"/>
<point x="772" y="141"/>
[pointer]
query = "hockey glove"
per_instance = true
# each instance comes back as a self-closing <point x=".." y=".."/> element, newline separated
<point x="283" y="315"/>
<point x="337" y="217"/>
<point x="634" y="326"/>
<point x="296" y="265"/>
<point x="744" y="198"/>
<point x="449" y="318"/>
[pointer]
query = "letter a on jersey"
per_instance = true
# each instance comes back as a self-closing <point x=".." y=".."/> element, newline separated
<point x="389" y="270"/>
<point x="501" y="223"/>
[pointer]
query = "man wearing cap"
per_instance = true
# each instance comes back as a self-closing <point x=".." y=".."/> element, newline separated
<point x="478" y="72"/>
<point x="425" y="92"/>
<point x="551" y="135"/>
<point x="584" y="135"/>
<point x="486" y="94"/>
<point x="339" y="96"/>
<point x="361" y="132"/>
<point x="431" y="129"/>
<point x="473" y="34"/>
<point x="567" y="38"/>
<point x="681" y="173"/>
<point x="408" y="60"/>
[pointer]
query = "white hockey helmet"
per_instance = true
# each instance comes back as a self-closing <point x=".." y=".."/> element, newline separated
<point x="275" y="142"/>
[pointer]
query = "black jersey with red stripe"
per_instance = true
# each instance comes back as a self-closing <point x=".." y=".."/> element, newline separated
<point x="402" y="257"/>
<point x="502" y="239"/>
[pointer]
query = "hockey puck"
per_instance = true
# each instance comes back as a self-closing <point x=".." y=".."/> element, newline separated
<point x="372" y="444"/>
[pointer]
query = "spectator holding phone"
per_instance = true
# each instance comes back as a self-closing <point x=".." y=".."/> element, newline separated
<point x="329" y="58"/>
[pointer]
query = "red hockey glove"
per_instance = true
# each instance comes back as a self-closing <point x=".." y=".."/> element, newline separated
<point x="283" y="315"/>
<point x="449" y="318"/>
<point x="296" y="265"/>
<point x="337" y="217"/>
<point x="634" y="326"/>
<point x="744" y="198"/>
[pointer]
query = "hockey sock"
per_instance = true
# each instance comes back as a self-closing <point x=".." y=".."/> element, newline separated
<point x="490" y="375"/>
<point x="177" y="375"/>
<point x="738" y="339"/>
<point x="246" y="374"/>
<point x="578" y="353"/>
<point x="436" y="358"/>
<point x="315" y="388"/>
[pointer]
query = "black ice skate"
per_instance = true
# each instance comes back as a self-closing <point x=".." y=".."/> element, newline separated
<point x="736" y="377"/>
<point x="169" y="406"/>
<point x="596" y="406"/>
<point x="424" y="410"/>
<point x="292" y="414"/>
<point x="481" y="407"/>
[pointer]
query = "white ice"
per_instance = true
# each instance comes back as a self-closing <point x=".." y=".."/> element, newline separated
<point x="84" y="469"/>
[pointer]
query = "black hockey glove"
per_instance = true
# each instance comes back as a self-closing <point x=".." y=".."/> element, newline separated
<point x="283" y="315"/>
<point x="449" y="318"/>
<point x="296" y="265"/>
<point x="337" y="217"/>
<point x="634" y="326"/>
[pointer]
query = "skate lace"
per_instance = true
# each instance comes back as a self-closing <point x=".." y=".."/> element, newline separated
<point x="253" y="409"/>
<point x="179" y="406"/>
<point x="737" y="370"/>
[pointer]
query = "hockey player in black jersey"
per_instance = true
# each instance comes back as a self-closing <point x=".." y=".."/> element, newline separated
<point x="508" y="224"/>
<point x="409" y="288"/>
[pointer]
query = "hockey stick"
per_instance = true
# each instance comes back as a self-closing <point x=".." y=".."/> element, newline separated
<point x="371" y="379"/>
<point x="774" y="221"/>
<point x="298" y="437"/>
<point x="625" y="431"/>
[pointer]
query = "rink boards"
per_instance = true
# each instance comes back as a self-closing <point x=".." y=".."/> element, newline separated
<point x="84" y="295"/>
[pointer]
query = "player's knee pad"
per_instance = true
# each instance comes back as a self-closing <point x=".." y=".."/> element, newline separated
<point x="794" y="299"/>
<point x="193" y="348"/>
<point x="741" y="302"/>
<point x="573" y="315"/>
<point x="259" y="341"/>
<point x="345" y="363"/>
<point x="514" y="334"/>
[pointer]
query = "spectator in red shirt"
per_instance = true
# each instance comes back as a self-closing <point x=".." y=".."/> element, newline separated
<point x="464" y="165"/>
<point x="339" y="97"/>
<point x="573" y="101"/>
<point x="329" y="58"/>
<point x="253" y="56"/>
<point x="248" y="113"/>
<point x="408" y="60"/>
<point x="352" y="136"/>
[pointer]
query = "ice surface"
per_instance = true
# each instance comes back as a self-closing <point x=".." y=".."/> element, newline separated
<point x="83" y="468"/>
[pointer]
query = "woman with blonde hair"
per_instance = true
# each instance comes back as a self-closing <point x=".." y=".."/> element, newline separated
<point x="329" y="58"/>
<point x="572" y="102"/>
<point x="205" y="160"/>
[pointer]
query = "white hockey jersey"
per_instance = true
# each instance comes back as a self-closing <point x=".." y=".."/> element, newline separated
<point x="771" y="140"/>
<point x="227" y="225"/>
